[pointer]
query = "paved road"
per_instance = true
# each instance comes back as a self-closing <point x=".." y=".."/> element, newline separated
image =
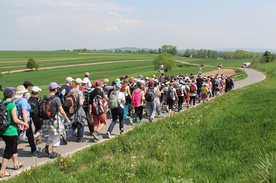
<point x="253" y="77"/>
<point x="72" y="147"/>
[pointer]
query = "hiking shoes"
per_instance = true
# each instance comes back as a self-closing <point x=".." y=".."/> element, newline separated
<point x="95" y="135"/>
<point x="38" y="150"/>
<point x="64" y="140"/>
<point x="46" y="151"/>
<point x="131" y="121"/>
<point x="53" y="155"/>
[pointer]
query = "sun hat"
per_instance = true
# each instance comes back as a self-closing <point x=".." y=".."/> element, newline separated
<point x="86" y="74"/>
<point x="20" y="90"/>
<point x="106" y="80"/>
<point x="9" y="92"/>
<point x="36" y="89"/>
<point x="53" y="85"/>
<point x="78" y="81"/>
<point x="85" y="80"/>
<point x="69" y="79"/>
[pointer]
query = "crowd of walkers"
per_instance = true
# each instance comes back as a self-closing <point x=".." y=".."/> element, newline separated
<point x="69" y="107"/>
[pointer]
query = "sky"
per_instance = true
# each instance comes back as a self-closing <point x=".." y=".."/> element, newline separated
<point x="106" y="24"/>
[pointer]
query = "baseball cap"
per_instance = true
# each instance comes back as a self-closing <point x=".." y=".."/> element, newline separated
<point x="53" y="85"/>
<point x="86" y="74"/>
<point x="9" y="92"/>
<point x="98" y="83"/>
<point x="36" y="89"/>
<point x="69" y="79"/>
<point x="78" y="80"/>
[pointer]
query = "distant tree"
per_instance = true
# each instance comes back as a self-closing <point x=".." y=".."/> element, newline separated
<point x="31" y="64"/>
<point x="164" y="59"/>
<point x="169" y="49"/>
<point x="267" y="57"/>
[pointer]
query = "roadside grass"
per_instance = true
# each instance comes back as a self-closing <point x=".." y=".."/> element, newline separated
<point x="228" y="139"/>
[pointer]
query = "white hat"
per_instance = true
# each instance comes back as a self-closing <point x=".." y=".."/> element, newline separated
<point x="85" y="80"/>
<point x="36" y="89"/>
<point x="20" y="90"/>
<point x="78" y="80"/>
<point x="69" y="79"/>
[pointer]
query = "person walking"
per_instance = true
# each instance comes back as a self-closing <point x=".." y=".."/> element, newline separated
<point x="117" y="98"/>
<point x="23" y="109"/>
<point x="10" y="135"/>
<point x="154" y="103"/>
<point x="138" y="98"/>
<point x="193" y="92"/>
<point x="52" y="125"/>
<point x="171" y="97"/>
<point x="76" y="120"/>
<point x="34" y="102"/>
<point x="98" y="119"/>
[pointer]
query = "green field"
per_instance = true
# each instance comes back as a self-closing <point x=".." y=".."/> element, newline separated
<point x="106" y="65"/>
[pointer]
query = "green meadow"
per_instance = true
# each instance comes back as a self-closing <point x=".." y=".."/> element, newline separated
<point x="99" y="65"/>
<point x="228" y="139"/>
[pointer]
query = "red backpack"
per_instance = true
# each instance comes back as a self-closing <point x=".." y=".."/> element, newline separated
<point x="136" y="98"/>
<point x="192" y="88"/>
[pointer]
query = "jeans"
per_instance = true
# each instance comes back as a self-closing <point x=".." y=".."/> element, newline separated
<point x="72" y="128"/>
<point x="117" y="112"/>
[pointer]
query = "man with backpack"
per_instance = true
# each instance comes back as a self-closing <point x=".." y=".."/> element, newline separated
<point x="96" y="107"/>
<point x="180" y="93"/>
<point x="50" y="111"/>
<point x="34" y="102"/>
<point x="76" y="99"/>
<point x="171" y="96"/>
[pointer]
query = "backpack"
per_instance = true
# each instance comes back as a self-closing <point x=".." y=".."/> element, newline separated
<point x="178" y="90"/>
<point x="113" y="101"/>
<point x="34" y="103"/>
<point x="170" y="94"/>
<point x="4" y="123"/>
<point x="70" y="103"/>
<point x="98" y="105"/>
<point x="47" y="110"/>
<point x="150" y="95"/>
<point x="192" y="88"/>
<point x="136" y="98"/>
